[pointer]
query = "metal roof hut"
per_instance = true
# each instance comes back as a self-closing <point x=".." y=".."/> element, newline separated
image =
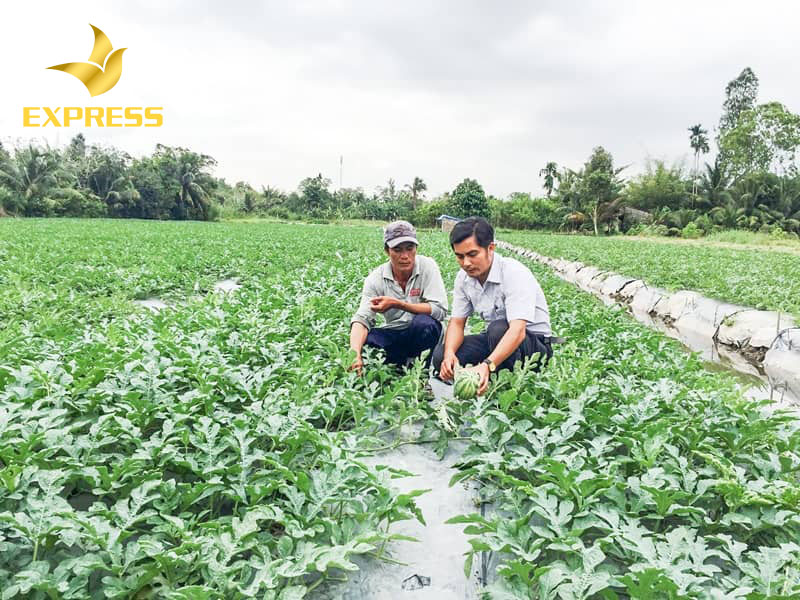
<point x="633" y="216"/>
<point x="448" y="222"/>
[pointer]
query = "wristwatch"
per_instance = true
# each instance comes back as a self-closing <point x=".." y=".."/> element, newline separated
<point x="490" y="363"/>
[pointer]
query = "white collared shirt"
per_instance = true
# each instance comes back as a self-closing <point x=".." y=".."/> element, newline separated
<point x="424" y="285"/>
<point x="510" y="292"/>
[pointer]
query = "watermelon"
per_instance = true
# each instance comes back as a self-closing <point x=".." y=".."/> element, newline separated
<point x="466" y="384"/>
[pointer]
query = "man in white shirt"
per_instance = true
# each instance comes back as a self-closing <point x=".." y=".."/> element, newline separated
<point x="408" y="290"/>
<point x="508" y="298"/>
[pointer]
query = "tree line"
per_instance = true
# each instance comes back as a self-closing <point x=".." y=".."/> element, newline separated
<point x="753" y="183"/>
<point x="94" y="181"/>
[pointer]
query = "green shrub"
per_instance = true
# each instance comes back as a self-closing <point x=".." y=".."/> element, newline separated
<point x="777" y="233"/>
<point x="214" y="212"/>
<point x="691" y="231"/>
<point x="648" y="230"/>
<point x="704" y="223"/>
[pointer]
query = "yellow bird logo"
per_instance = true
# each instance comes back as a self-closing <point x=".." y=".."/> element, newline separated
<point x="104" y="68"/>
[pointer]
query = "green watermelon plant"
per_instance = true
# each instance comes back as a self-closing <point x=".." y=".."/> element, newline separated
<point x="625" y="469"/>
<point x="213" y="449"/>
<point x="210" y="450"/>
<point x="758" y="278"/>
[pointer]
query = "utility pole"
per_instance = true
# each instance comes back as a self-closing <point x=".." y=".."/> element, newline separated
<point x="341" y="164"/>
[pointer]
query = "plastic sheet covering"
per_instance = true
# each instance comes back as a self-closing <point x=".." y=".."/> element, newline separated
<point x="598" y="281"/>
<point x="613" y="284"/>
<point x="434" y="566"/>
<point x="702" y="316"/>
<point x="782" y="361"/>
<point x="756" y="328"/>
<point x="647" y="298"/>
<point x="678" y="304"/>
<point x="629" y="290"/>
<point x="585" y="276"/>
<point x="571" y="271"/>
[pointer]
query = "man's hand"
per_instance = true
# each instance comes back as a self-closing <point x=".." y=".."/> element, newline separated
<point x="483" y="372"/>
<point x="358" y="365"/>
<point x="383" y="303"/>
<point x="448" y="367"/>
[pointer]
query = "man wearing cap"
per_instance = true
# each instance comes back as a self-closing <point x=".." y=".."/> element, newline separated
<point x="409" y="292"/>
<point x="507" y="297"/>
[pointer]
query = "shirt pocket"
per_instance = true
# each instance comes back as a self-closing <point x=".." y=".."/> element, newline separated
<point x="486" y="310"/>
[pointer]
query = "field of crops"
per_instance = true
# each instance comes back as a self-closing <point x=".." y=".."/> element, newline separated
<point x="757" y="278"/>
<point x="212" y="450"/>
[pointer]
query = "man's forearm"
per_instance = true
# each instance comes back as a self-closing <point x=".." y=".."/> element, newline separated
<point x="421" y="308"/>
<point x="508" y="343"/>
<point x="358" y="335"/>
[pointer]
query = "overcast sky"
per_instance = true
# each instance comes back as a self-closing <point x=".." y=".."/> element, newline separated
<point x="277" y="91"/>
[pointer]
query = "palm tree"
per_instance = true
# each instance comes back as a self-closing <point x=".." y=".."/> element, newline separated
<point x="727" y="215"/>
<point x="698" y="140"/>
<point x="122" y="196"/>
<point x="569" y="197"/>
<point x="550" y="174"/>
<point x="788" y="200"/>
<point x="746" y="197"/>
<point x="747" y="194"/>
<point x="185" y="172"/>
<point x="416" y="188"/>
<point x="32" y="174"/>
<point x="575" y="220"/>
<point x="191" y="191"/>
<point x="714" y="184"/>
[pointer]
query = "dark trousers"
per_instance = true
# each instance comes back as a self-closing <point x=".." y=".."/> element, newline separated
<point x="477" y="348"/>
<point x="402" y="344"/>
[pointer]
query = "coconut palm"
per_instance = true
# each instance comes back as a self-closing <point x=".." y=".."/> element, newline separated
<point x="788" y="199"/>
<point x="747" y="193"/>
<point x="122" y="196"/>
<point x="416" y="188"/>
<point x="183" y="173"/>
<point x="550" y="174"/>
<point x="191" y="191"/>
<point x="714" y="184"/>
<point x="31" y="175"/>
<point x="698" y="140"/>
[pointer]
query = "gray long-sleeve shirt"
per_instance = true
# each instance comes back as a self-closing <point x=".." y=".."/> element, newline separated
<point x="424" y="285"/>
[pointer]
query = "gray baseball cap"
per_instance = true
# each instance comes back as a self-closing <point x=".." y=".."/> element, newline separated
<point x="398" y="232"/>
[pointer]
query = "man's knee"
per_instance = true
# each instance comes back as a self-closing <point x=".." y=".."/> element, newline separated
<point x="495" y="331"/>
<point x="376" y="338"/>
<point x="426" y="327"/>
<point x="424" y="322"/>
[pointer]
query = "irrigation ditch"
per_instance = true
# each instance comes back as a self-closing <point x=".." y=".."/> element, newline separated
<point x="758" y="343"/>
